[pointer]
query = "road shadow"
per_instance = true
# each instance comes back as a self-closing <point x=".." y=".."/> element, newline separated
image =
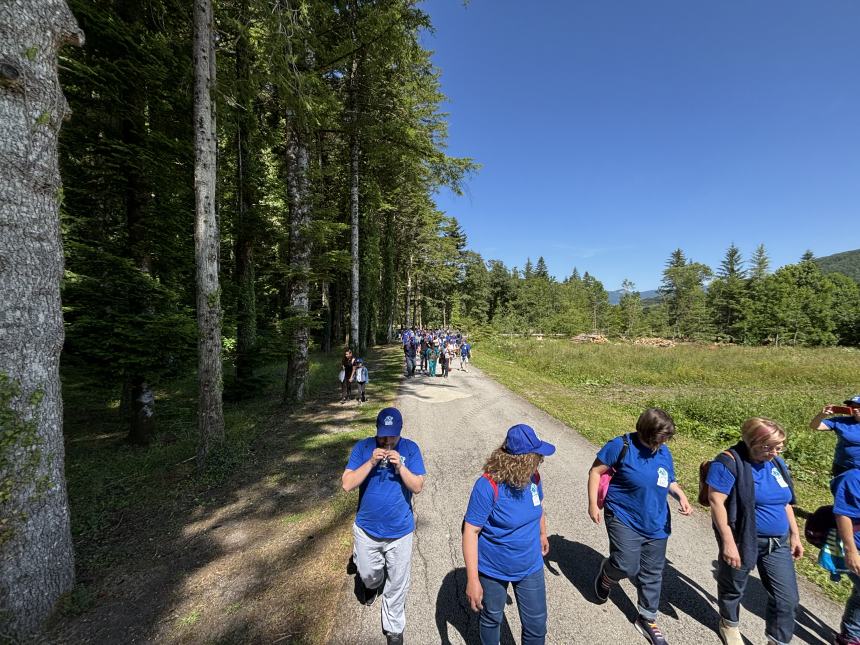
<point x="808" y="627"/>
<point x="681" y="594"/>
<point x="452" y="608"/>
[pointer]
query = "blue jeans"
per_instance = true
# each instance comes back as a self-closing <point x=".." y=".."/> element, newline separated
<point x="776" y="568"/>
<point x="851" y="617"/>
<point x="531" y="602"/>
<point x="640" y="558"/>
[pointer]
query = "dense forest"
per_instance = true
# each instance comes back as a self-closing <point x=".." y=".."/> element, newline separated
<point x="244" y="181"/>
<point x="847" y="263"/>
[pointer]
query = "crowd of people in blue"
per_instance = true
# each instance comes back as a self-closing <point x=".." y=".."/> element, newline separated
<point x="433" y="352"/>
<point x="748" y="487"/>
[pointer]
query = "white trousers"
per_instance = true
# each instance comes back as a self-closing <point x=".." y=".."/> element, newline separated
<point x="388" y="560"/>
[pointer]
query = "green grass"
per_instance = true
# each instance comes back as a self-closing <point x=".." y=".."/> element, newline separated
<point x="709" y="390"/>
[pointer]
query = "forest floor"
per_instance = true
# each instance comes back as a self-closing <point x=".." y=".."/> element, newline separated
<point x="252" y="552"/>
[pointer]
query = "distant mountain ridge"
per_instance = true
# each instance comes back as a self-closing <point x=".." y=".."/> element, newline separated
<point x="615" y="296"/>
<point x="847" y="263"/>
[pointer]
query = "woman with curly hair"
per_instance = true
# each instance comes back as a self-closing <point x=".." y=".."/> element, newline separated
<point x="504" y="537"/>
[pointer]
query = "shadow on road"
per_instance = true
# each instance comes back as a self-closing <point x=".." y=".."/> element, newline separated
<point x="681" y="594"/>
<point x="453" y="609"/>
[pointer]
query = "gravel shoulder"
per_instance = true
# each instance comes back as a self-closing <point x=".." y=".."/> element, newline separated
<point x="457" y="422"/>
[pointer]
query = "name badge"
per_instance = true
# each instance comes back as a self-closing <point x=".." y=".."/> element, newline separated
<point x="779" y="478"/>
<point x="662" y="477"/>
<point x="535" y="496"/>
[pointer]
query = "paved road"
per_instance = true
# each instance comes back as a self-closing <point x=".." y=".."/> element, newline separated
<point x="458" y="423"/>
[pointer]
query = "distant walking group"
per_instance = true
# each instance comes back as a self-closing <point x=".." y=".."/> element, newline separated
<point x="353" y="370"/>
<point x="434" y="351"/>
<point x="748" y="488"/>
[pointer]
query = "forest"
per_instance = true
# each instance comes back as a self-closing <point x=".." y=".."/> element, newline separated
<point x="242" y="182"/>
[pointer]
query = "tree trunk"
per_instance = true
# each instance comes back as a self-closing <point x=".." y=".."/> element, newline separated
<point x="408" y="303"/>
<point x="141" y="410"/>
<point x="246" y="228"/>
<point x="298" y="192"/>
<point x="354" y="157"/>
<point x="210" y="413"/>
<point x="36" y="560"/>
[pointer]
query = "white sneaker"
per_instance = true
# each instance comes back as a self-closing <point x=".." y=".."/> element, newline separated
<point x="731" y="635"/>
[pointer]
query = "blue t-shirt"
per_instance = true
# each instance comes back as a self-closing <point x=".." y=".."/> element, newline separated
<point x="384" y="502"/>
<point x="771" y="495"/>
<point x="509" y="542"/>
<point x="847" y="454"/>
<point x="465" y="349"/>
<point x="846" y="497"/>
<point x="637" y="492"/>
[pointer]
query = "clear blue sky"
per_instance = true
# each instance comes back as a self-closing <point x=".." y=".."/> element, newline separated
<point x="611" y="133"/>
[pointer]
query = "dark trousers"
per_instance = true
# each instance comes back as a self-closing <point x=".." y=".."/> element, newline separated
<point x="531" y="601"/>
<point x="346" y="389"/>
<point x="361" y="387"/>
<point x="776" y="568"/>
<point x="639" y="558"/>
<point x="410" y="365"/>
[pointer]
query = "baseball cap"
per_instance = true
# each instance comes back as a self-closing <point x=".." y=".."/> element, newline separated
<point x="853" y="402"/>
<point x="522" y="440"/>
<point x="389" y="422"/>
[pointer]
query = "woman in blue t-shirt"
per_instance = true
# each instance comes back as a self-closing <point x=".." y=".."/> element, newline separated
<point x="751" y="497"/>
<point x="637" y="514"/>
<point x="504" y="537"/>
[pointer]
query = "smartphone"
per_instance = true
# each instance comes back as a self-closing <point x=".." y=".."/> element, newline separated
<point x="842" y="409"/>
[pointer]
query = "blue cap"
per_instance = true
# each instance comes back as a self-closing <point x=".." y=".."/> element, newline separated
<point x="522" y="440"/>
<point x="855" y="402"/>
<point x="389" y="422"/>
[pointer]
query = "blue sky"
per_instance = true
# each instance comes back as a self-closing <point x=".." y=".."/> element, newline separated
<point x="611" y="133"/>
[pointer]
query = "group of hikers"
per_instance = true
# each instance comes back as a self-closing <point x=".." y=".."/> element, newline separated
<point x="432" y="352"/>
<point x="748" y="487"/>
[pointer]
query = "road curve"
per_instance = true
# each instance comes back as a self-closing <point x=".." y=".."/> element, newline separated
<point x="457" y="422"/>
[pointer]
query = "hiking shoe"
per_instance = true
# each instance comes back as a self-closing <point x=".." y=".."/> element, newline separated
<point x="650" y="631"/>
<point x="845" y="639"/>
<point x="351" y="569"/>
<point x="394" y="639"/>
<point x="602" y="583"/>
<point x="731" y="634"/>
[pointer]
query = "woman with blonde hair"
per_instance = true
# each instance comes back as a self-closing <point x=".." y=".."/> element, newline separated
<point x="504" y="537"/>
<point x="751" y="496"/>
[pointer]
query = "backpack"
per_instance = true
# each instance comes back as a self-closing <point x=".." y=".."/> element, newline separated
<point x="606" y="478"/>
<point x="818" y="525"/>
<point x="704" y="489"/>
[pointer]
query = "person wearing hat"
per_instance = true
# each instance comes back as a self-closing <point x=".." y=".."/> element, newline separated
<point x="637" y="513"/>
<point x="845" y="487"/>
<point x="504" y="537"/>
<point x="388" y="470"/>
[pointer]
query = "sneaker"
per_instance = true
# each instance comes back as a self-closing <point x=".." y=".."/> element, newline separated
<point x="602" y="584"/>
<point x="845" y="639"/>
<point x="351" y="569"/>
<point x="650" y="631"/>
<point x="394" y="639"/>
<point x="370" y="595"/>
<point x="731" y="634"/>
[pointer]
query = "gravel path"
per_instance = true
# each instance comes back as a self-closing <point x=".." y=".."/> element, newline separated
<point x="457" y="422"/>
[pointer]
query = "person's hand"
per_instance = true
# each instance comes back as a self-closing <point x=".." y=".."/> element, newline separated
<point x="394" y="459"/>
<point x="796" y="547"/>
<point x="475" y="594"/>
<point x="594" y="513"/>
<point x="731" y="556"/>
<point x="684" y="505"/>
<point x="852" y="561"/>
<point x="827" y="410"/>
<point x="378" y="455"/>
<point x="544" y="544"/>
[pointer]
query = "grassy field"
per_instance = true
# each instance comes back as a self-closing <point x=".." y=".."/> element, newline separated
<point x="709" y="390"/>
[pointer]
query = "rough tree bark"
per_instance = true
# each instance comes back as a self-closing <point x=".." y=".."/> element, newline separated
<point x="36" y="560"/>
<point x="298" y="191"/>
<point x="210" y="413"/>
<point x="354" y="214"/>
